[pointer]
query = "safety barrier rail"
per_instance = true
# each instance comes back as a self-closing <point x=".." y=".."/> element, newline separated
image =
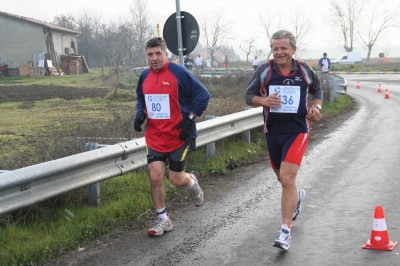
<point x="337" y="86"/>
<point x="230" y="71"/>
<point x="33" y="184"/>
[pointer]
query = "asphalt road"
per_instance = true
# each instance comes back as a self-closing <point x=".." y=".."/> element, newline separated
<point x="354" y="169"/>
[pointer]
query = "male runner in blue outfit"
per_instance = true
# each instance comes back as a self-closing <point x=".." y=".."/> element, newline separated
<point x="282" y="86"/>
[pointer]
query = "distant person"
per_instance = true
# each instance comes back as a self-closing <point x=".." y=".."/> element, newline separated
<point x="191" y="63"/>
<point x="226" y="62"/>
<point x="198" y="61"/>
<point x="170" y="98"/>
<point x="287" y="118"/>
<point x="187" y="62"/>
<point x="255" y="62"/>
<point x="208" y="62"/>
<point x="215" y="62"/>
<point x="325" y="64"/>
<point x="175" y="60"/>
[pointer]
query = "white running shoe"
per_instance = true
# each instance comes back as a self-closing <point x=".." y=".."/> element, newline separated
<point x="302" y="195"/>
<point x="283" y="240"/>
<point x="161" y="226"/>
<point x="196" y="193"/>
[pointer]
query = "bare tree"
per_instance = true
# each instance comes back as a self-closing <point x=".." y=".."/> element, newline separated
<point x="247" y="46"/>
<point x="378" y="20"/>
<point x="262" y="54"/>
<point x="345" y="15"/>
<point x="228" y="51"/>
<point x="88" y="25"/>
<point x="142" y="31"/>
<point x="301" y="26"/>
<point x="67" y="21"/>
<point x="106" y="40"/>
<point x="215" y="31"/>
<point x="126" y="41"/>
<point x="270" y="23"/>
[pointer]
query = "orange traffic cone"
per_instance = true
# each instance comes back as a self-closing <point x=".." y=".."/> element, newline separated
<point x="358" y="85"/>
<point x="379" y="88"/>
<point x="379" y="237"/>
<point x="387" y="96"/>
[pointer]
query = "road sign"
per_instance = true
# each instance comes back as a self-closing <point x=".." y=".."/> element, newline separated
<point x="190" y="33"/>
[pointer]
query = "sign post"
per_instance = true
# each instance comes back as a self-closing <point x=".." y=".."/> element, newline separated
<point x="179" y="31"/>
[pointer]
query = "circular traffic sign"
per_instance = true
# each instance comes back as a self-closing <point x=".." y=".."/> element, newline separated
<point x="190" y="33"/>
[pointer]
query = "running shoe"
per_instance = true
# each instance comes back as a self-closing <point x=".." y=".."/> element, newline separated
<point x="283" y="240"/>
<point x="302" y="195"/>
<point x="161" y="226"/>
<point x="196" y="193"/>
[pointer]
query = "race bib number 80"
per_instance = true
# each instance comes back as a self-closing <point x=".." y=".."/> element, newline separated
<point x="290" y="96"/>
<point x="158" y="106"/>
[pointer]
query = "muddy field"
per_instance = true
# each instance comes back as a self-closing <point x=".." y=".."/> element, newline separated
<point x="40" y="92"/>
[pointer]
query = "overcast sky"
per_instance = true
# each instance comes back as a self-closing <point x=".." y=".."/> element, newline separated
<point x="243" y="13"/>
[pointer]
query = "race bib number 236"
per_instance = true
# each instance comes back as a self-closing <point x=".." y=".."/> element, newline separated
<point x="290" y="96"/>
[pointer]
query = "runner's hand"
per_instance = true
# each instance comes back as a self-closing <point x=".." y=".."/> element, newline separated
<point x="273" y="100"/>
<point x="139" y="120"/>
<point x="314" y="114"/>
<point x="187" y="126"/>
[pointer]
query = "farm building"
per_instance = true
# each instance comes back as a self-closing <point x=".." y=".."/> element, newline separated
<point x="30" y="47"/>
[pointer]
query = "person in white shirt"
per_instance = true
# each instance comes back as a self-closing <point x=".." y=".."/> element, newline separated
<point x="325" y="64"/>
<point x="208" y="62"/>
<point x="198" y="62"/>
<point x="255" y="62"/>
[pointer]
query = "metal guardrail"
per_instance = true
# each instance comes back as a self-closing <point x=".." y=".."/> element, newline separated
<point x="337" y="86"/>
<point x="222" y="72"/>
<point x="210" y="72"/>
<point x="30" y="185"/>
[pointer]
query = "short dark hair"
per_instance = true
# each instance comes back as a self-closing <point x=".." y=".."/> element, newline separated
<point x="157" y="41"/>
<point x="280" y="34"/>
<point x="325" y="54"/>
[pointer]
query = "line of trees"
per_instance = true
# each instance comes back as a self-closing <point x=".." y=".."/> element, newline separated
<point x="111" y="43"/>
<point x="362" y="21"/>
<point x="354" y="22"/>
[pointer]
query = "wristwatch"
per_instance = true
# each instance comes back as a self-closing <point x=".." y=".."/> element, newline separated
<point x="317" y="106"/>
<point x="192" y="117"/>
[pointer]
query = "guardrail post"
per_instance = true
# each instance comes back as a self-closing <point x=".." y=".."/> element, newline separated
<point x="93" y="189"/>
<point x="210" y="147"/>
<point x="246" y="134"/>
<point x="332" y="84"/>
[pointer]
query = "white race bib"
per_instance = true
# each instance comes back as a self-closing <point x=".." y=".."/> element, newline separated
<point x="158" y="106"/>
<point x="290" y="96"/>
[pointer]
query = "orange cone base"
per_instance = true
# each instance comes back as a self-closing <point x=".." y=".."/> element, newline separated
<point x="390" y="246"/>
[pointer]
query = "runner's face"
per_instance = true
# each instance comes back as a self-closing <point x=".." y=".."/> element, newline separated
<point x="282" y="51"/>
<point x="156" y="57"/>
